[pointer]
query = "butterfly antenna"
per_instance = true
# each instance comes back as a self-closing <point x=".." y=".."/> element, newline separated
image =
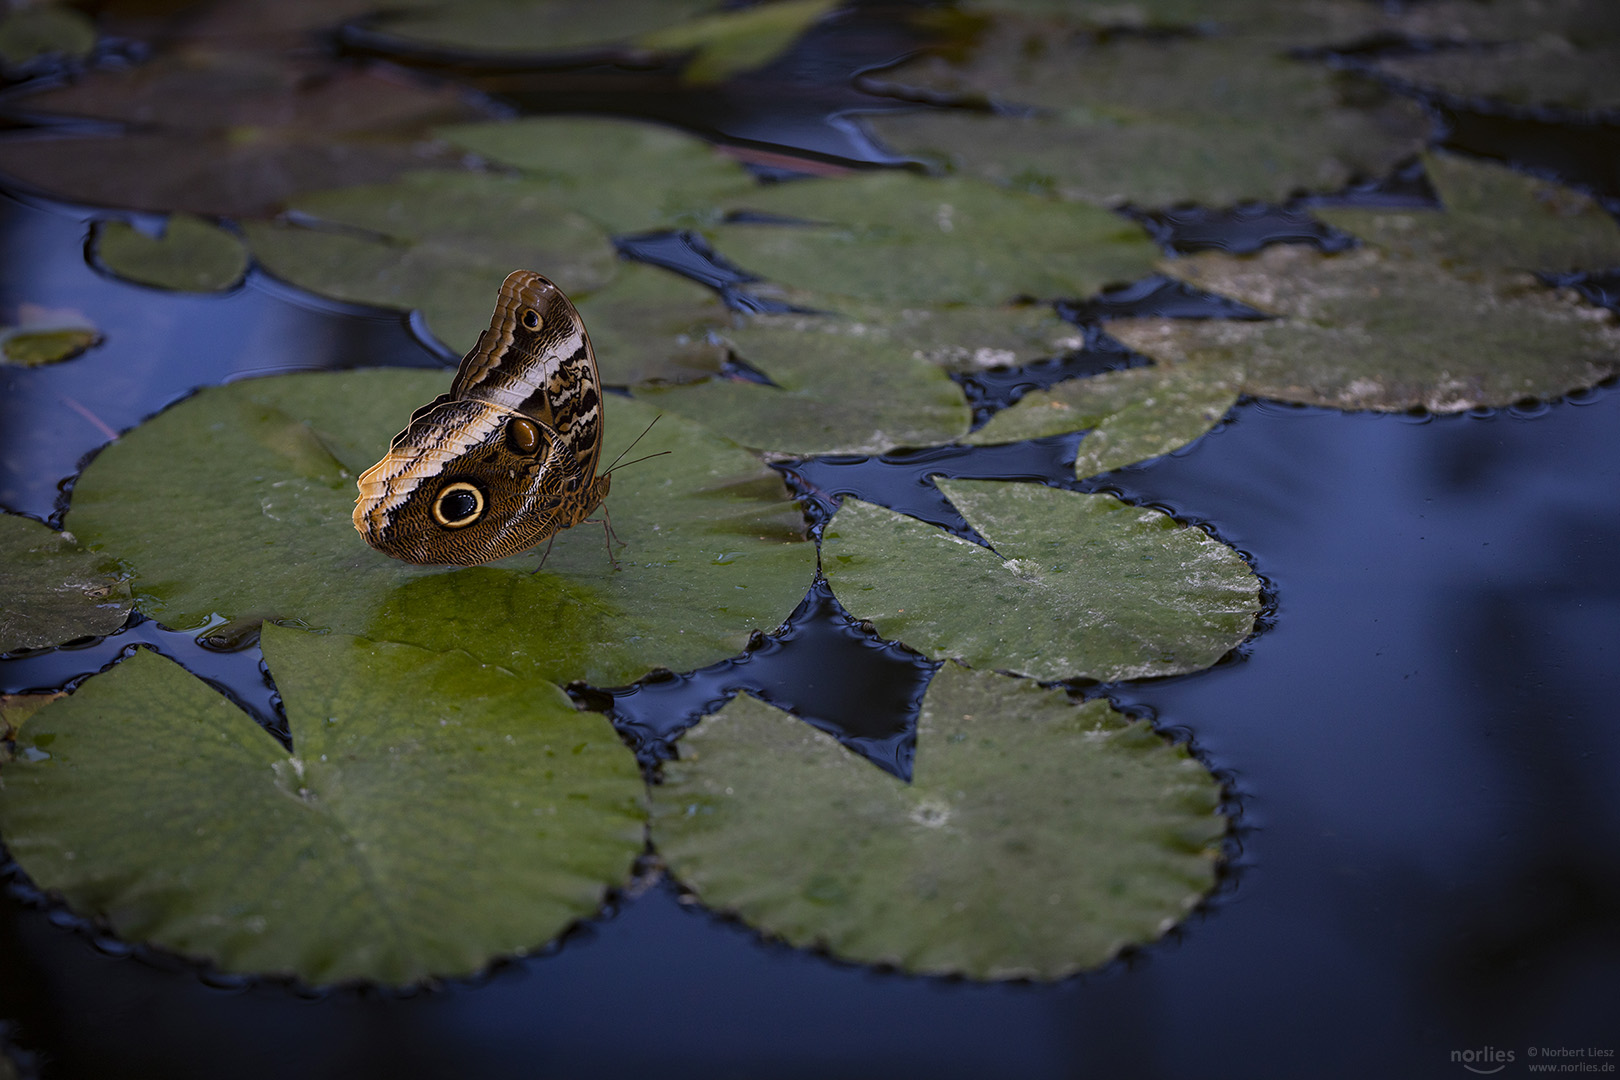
<point x="634" y="461"/>
<point x="632" y="446"/>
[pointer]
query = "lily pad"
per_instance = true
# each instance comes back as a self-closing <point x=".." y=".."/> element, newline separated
<point x="237" y="501"/>
<point x="539" y="26"/>
<point x="1133" y="415"/>
<point x="1076" y="586"/>
<point x="1493" y="218"/>
<point x="727" y="43"/>
<point x="1036" y="839"/>
<point x="191" y="255"/>
<point x="44" y="29"/>
<point x="1239" y="120"/>
<point x="896" y="238"/>
<point x="1363" y="330"/>
<point x="624" y="175"/>
<point x="52" y="590"/>
<point x="1549" y="70"/>
<point x="435" y="814"/>
<point x="438" y="242"/>
<point x="46" y="336"/>
<point x="650" y="326"/>
<point x="832" y="394"/>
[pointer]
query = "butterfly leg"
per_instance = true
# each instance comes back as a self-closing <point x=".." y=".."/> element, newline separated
<point x="546" y="555"/>
<point x="609" y="537"/>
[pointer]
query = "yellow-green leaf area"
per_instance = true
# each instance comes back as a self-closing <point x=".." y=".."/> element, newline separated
<point x="435" y="813"/>
<point x="437" y="242"/>
<point x="1037" y="837"/>
<point x="238" y="502"/>
<point x="1364" y="330"/>
<point x="192" y="255"/>
<point x="1073" y="585"/>
<point x="897" y="238"/>
<point x="37" y="347"/>
<point x="727" y="43"/>
<point x="51" y="589"/>
<point x="538" y="26"/>
<point x="831" y="395"/>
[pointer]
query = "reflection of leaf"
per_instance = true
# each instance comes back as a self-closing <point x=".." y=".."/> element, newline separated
<point x="190" y="256"/>
<point x="436" y="241"/>
<point x="50" y="590"/>
<point x="215" y="512"/>
<point x="435" y="813"/>
<point x="1239" y="120"/>
<point x="728" y="42"/>
<point x="1037" y="837"/>
<point x="1077" y="586"/>
<point x="832" y="394"/>
<point x="1133" y="415"/>
<point x="893" y="237"/>
<point x="1362" y="330"/>
<point x="1494" y="218"/>
<point x="651" y="326"/>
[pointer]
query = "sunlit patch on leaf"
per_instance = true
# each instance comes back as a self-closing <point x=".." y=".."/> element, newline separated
<point x="1077" y="586"/>
<point x="238" y="502"/>
<point x="191" y="255"/>
<point x="51" y="590"/>
<point x="46" y="336"/>
<point x="1362" y="330"/>
<point x="897" y="238"/>
<point x="435" y="813"/>
<point x="727" y="43"/>
<point x="1037" y="837"/>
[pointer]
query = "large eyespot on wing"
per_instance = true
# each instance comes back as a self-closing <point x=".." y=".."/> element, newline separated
<point x="458" y="504"/>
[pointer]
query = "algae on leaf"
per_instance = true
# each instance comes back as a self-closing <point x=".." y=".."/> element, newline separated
<point x="1037" y="837"/>
<point x="1073" y="586"/>
<point x="1363" y="330"/>
<point x="237" y="501"/>
<point x="191" y="255"/>
<point x="435" y="813"/>
<point x="52" y="590"/>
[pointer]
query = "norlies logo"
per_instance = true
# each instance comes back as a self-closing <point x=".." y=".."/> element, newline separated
<point x="1485" y="1061"/>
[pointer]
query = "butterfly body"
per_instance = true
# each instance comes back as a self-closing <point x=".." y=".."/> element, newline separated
<point x="508" y="458"/>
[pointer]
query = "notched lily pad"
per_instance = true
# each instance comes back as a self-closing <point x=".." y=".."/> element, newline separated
<point x="191" y="255"/>
<point x="1037" y="837"/>
<point x="238" y="501"/>
<point x="897" y="238"/>
<point x="435" y="813"/>
<point x="1362" y="330"/>
<point x="52" y="590"/>
<point x="1077" y="586"/>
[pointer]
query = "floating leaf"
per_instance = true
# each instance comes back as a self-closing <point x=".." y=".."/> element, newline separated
<point x="46" y="336"/>
<point x="1132" y="415"/>
<point x="39" y="30"/>
<point x="539" y="26"/>
<point x="624" y="175"/>
<point x="438" y="242"/>
<point x="727" y="43"/>
<point x="1077" y="586"/>
<point x="191" y="255"/>
<point x="435" y="813"/>
<point x="238" y="500"/>
<point x="896" y="238"/>
<point x="51" y="590"/>
<point x="1362" y="330"/>
<point x="652" y="326"/>
<point x="1494" y="218"/>
<point x="1550" y="70"/>
<point x="1037" y="837"/>
<point x="831" y="395"/>
<point x="1239" y="120"/>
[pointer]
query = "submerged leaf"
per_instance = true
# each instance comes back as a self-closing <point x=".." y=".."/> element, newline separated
<point x="1362" y="330"/>
<point x="191" y="255"/>
<point x="729" y="42"/>
<point x="896" y="238"/>
<point x="238" y="500"/>
<point x="51" y="590"/>
<point x="1037" y="837"/>
<point x="435" y="813"/>
<point x="1076" y="586"/>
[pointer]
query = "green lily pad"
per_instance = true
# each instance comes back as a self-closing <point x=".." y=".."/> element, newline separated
<point x="727" y="43"/>
<point x="1493" y="218"/>
<point x="44" y="29"/>
<point x="1133" y="415"/>
<point x="1363" y="330"/>
<point x="624" y="175"/>
<point x="651" y="326"/>
<point x="438" y="242"/>
<point x="46" y="336"/>
<point x="191" y="255"/>
<point x="833" y="394"/>
<point x="435" y="814"/>
<point x="1037" y="837"/>
<point x="896" y="238"/>
<point x="52" y="590"/>
<point x="539" y="26"/>
<point x="1549" y="70"/>
<point x="1077" y="586"/>
<point x="237" y="501"/>
<point x="1239" y="119"/>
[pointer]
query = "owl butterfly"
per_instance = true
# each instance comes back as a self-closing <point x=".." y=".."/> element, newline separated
<point x="508" y="457"/>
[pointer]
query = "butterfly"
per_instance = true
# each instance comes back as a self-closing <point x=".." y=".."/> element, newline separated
<point x="508" y="457"/>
